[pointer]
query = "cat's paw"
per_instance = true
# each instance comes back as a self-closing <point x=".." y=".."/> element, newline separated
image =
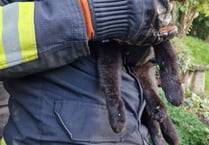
<point x="169" y="131"/>
<point x="157" y="112"/>
<point x="117" y="117"/>
<point x="119" y="125"/>
<point x="173" y="90"/>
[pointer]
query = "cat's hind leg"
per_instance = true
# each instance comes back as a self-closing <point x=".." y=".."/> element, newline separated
<point x="169" y="131"/>
<point x="153" y="127"/>
<point x="162" y="133"/>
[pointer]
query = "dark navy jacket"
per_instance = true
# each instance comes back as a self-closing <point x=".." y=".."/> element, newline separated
<point x="66" y="104"/>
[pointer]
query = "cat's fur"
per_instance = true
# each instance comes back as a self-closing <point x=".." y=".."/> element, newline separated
<point x="162" y="133"/>
<point x="158" y="122"/>
<point x="110" y="66"/>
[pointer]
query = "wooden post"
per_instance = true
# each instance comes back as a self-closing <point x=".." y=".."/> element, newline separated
<point x="198" y="82"/>
<point x="195" y="78"/>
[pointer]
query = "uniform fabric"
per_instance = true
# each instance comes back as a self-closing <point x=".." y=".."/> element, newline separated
<point x="87" y="17"/>
<point x="17" y="43"/>
<point x="4" y="112"/>
<point x="66" y="106"/>
<point x="57" y="43"/>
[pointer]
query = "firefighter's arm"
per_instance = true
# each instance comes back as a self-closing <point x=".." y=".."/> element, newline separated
<point x="5" y="2"/>
<point x="42" y="35"/>
<point x="38" y="36"/>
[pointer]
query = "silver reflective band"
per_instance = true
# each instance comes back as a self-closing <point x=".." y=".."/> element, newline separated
<point x="10" y="34"/>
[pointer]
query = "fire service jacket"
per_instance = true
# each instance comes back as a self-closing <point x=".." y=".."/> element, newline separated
<point x="51" y="34"/>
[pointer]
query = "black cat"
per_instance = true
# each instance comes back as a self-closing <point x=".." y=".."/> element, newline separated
<point x="110" y="66"/>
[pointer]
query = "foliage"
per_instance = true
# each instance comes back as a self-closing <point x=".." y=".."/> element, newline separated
<point x="200" y="27"/>
<point x="197" y="104"/>
<point x="184" y="55"/>
<point x="191" y="50"/>
<point x="199" y="5"/>
<point x="187" y="12"/>
<point x="190" y="130"/>
<point x="199" y="50"/>
<point x="207" y="83"/>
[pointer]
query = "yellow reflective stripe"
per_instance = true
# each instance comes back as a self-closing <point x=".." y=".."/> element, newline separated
<point x="17" y="34"/>
<point x="3" y="62"/>
<point x="3" y="141"/>
<point x="27" y="31"/>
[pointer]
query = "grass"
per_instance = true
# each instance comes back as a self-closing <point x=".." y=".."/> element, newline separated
<point x="207" y="83"/>
<point x="197" y="52"/>
<point x="200" y="50"/>
<point x="191" y="131"/>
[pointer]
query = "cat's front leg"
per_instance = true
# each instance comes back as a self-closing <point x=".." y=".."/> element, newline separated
<point x="167" y="60"/>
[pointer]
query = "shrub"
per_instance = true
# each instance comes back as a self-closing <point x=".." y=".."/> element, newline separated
<point x="192" y="50"/>
<point x="191" y="131"/>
